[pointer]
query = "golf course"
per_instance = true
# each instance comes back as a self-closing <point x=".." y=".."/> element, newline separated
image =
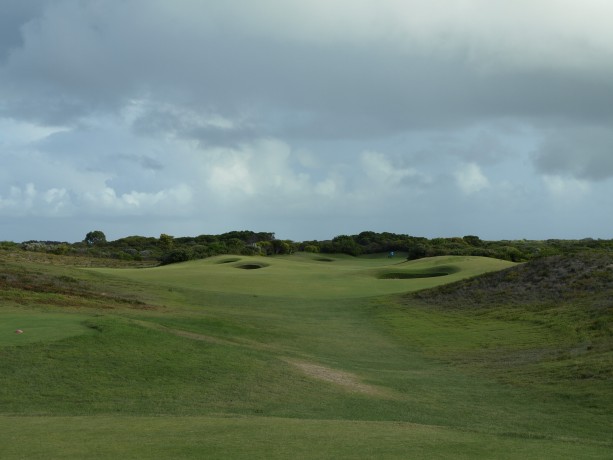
<point x="305" y="355"/>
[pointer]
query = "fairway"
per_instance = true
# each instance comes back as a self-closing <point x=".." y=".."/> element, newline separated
<point x="297" y="356"/>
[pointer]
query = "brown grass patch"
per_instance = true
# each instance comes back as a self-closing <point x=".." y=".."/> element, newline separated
<point x="347" y="380"/>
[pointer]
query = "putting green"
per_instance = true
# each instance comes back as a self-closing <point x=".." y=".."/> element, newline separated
<point x="306" y="276"/>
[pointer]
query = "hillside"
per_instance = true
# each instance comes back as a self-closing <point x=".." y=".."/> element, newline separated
<point x="566" y="302"/>
<point x="587" y="276"/>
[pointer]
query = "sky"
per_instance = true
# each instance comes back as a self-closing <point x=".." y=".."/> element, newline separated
<point x="309" y="119"/>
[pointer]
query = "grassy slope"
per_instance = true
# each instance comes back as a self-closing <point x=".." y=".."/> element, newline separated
<point x="566" y="299"/>
<point x="209" y="340"/>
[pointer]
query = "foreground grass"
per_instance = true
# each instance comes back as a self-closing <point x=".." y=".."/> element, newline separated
<point x="301" y="357"/>
<point x="265" y="438"/>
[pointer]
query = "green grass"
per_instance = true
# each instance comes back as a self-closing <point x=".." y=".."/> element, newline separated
<point x="39" y="327"/>
<point x="265" y="438"/>
<point x="298" y="358"/>
<point x="304" y="276"/>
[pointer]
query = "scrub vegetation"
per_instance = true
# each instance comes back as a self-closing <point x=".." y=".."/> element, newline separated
<point x="168" y="250"/>
<point x="305" y="356"/>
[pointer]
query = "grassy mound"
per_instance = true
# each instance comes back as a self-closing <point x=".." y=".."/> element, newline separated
<point x="553" y="317"/>
<point x="550" y="279"/>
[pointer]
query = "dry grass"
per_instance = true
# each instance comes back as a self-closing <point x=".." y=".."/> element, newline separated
<point x="346" y="380"/>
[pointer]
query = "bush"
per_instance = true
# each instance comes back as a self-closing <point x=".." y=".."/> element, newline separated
<point x="9" y="245"/>
<point x="175" y="256"/>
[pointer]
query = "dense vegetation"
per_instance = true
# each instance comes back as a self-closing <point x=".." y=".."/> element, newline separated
<point x="168" y="249"/>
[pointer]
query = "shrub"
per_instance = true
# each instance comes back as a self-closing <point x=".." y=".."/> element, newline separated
<point x="175" y="256"/>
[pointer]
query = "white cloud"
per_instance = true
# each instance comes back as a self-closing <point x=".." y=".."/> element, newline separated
<point x="566" y="188"/>
<point x="167" y="202"/>
<point x="327" y="188"/>
<point x="264" y="168"/>
<point x="231" y="173"/>
<point x="27" y="200"/>
<point x="380" y="169"/>
<point x="59" y="202"/>
<point x="16" y="133"/>
<point x="471" y="179"/>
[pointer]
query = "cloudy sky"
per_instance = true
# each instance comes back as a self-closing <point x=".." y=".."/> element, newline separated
<point x="307" y="118"/>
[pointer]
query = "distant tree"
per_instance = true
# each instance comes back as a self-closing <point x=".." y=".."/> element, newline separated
<point x="251" y="250"/>
<point x="473" y="240"/>
<point x="175" y="256"/>
<point x="366" y="238"/>
<point x="166" y="242"/>
<point x="280" y="247"/>
<point x="345" y="244"/>
<point x="94" y="238"/>
<point x="417" y="251"/>
<point x="140" y="243"/>
<point x="266" y="247"/>
<point x="510" y="253"/>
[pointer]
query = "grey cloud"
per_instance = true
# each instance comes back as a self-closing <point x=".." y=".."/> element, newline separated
<point x="144" y="161"/>
<point x="156" y="98"/>
<point x="13" y="15"/>
<point x="339" y="90"/>
<point x="222" y="132"/>
<point x="584" y="152"/>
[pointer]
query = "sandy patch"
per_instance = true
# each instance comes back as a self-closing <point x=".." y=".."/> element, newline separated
<point x="347" y="380"/>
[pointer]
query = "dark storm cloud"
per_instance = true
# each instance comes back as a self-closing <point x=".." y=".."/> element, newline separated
<point x="13" y="15"/>
<point x="80" y="59"/>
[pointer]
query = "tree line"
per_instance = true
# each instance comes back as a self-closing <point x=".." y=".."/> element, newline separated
<point x="167" y="249"/>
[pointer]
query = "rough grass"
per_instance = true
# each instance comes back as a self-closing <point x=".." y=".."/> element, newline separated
<point x="552" y="279"/>
<point x="302" y="359"/>
<point x="547" y="324"/>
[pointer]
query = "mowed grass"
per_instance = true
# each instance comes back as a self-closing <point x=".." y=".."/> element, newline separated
<point x="306" y="276"/>
<point x="301" y="358"/>
<point x="264" y="438"/>
<point x="39" y="327"/>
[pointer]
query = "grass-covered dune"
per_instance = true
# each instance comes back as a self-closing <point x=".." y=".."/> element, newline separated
<point x="300" y="356"/>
